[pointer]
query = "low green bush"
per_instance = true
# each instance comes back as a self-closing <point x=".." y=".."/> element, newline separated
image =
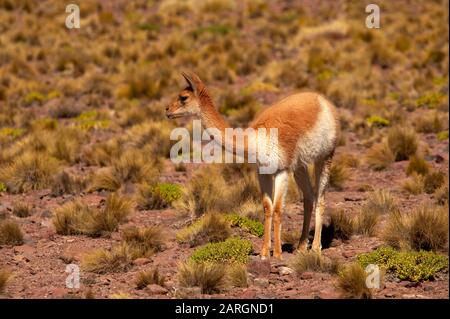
<point x="232" y="250"/>
<point x="254" y="227"/>
<point x="407" y="265"/>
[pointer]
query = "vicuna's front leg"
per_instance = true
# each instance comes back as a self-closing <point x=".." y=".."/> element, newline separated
<point x="266" y="185"/>
<point x="281" y="181"/>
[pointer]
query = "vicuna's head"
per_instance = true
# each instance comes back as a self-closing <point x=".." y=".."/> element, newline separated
<point x="188" y="101"/>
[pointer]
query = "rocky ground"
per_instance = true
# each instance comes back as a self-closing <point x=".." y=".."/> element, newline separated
<point x="39" y="264"/>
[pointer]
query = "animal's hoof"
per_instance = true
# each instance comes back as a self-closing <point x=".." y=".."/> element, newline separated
<point x="316" y="249"/>
<point x="302" y="247"/>
<point x="279" y="257"/>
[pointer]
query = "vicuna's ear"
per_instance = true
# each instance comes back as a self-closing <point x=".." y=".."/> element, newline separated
<point x="190" y="80"/>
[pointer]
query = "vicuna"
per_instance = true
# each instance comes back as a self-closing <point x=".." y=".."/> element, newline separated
<point x="308" y="129"/>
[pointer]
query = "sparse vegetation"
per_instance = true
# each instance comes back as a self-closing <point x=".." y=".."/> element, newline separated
<point x="21" y="209"/>
<point x="352" y="282"/>
<point x="84" y="136"/>
<point x="232" y="250"/>
<point x="406" y="265"/>
<point x="102" y="261"/>
<point x="425" y="228"/>
<point x="158" y="196"/>
<point x="148" y="277"/>
<point x="210" y="277"/>
<point x="312" y="261"/>
<point x="380" y="156"/>
<point x="342" y="225"/>
<point x="29" y="171"/>
<point x="237" y="276"/>
<point x="10" y="233"/>
<point x="252" y="226"/>
<point x="402" y="141"/>
<point x="417" y="165"/>
<point x="208" y="228"/>
<point x="144" y="242"/>
<point x="77" y="218"/>
<point x="4" y="277"/>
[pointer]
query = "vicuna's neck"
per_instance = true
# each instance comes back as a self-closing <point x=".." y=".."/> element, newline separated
<point x="212" y="119"/>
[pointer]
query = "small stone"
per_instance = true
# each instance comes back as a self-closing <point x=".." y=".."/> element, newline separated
<point x="283" y="271"/>
<point x="141" y="261"/>
<point x="428" y="288"/>
<point x="154" y="289"/>
<point x="261" y="282"/>
<point x="306" y="275"/>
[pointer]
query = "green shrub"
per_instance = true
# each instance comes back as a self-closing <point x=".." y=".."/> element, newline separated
<point x="431" y="100"/>
<point x="233" y="250"/>
<point x="158" y="196"/>
<point x="442" y="136"/>
<point x="32" y="97"/>
<point x="2" y="187"/>
<point x="377" y="121"/>
<point x="11" y="132"/>
<point x="254" y="227"/>
<point x="407" y="265"/>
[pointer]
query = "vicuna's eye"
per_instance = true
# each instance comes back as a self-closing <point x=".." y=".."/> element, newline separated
<point x="183" y="98"/>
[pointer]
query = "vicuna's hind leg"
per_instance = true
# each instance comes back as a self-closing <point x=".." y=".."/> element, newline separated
<point x="322" y="173"/>
<point x="266" y="185"/>
<point x="304" y="183"/>
<point x="281" y="182"/>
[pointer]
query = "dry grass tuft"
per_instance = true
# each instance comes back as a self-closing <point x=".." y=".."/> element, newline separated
<point x="417" y="165"/>
<point x="381" y="201"/>
<point x="10" y="233"/>
<point x="102" y="261"/>
<point x="425" y="228"/>
<point x="342" y="225"/>
<point x="4" y="277"/>
<point x="29" y="171"/>
<point x="433" y="181"/>
<point x="211" y="227"/>
<point x="210" y="277"/>
<point x="312" y="261"/>
<point x="237" y="276"/>
<point x="149" y="277"/>
<point x="380" y="156"/>
<point x="144" y="242"/>
<point x="414" y="184"/>
<point x="65" y="183"/>
<point x="366" y="222"/>
<point x="403" y="142"/>
<point x="77" y="218"/>
<point x="338" y="176"/>
<point x="352" y="283"/>
<point x="21" y="209"/>
<point x="203" y="194"/>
